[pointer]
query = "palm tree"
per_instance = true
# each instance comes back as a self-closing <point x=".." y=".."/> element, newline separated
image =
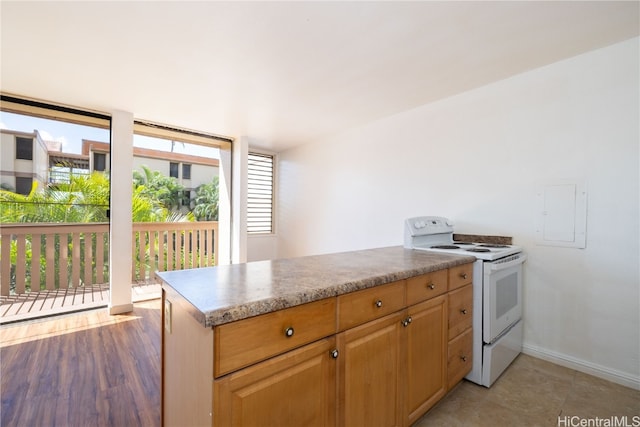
<point x="163" y="188"/>
<point x="206" y="201"/>
<point x="85" y="199"/>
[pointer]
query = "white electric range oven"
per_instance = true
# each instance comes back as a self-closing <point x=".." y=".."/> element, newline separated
<point x="497" y="293"/>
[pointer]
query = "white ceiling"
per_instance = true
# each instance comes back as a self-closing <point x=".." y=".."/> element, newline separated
<point x="286" y="73"/>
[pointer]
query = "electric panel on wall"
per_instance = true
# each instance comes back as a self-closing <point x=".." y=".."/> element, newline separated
<point x="561" y="214"/>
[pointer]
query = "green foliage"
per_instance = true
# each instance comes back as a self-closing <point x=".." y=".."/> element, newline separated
<point x="164" y="189"/>
<point x="206" y="201"/>
<point x="85" y="199"/>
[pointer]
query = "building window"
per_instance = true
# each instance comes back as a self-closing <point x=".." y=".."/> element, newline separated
<point x="186" y="171"/>
<point x="23" y="185"/>
<point x="260" y="194"/>
<point x="186" y="198"/>
<point x="24" y="148"/>
<point x="173" y="170"/>
<point x="99" y="162"/>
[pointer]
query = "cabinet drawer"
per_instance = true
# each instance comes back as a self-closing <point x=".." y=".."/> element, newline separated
<point x="426" y="286"/>
<point x="242" y="343"/>
<point x="460" y="310"/>
<point x="359" y="307"/>
<point x="460" y="276"/>
<point x="460" y="357"/>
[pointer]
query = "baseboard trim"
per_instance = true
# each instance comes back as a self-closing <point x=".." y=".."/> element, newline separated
<point x="120" y="309"/>
<point x="596" y="370"/>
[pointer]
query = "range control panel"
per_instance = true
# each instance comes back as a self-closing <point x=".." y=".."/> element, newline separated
<point x="427" y="225"/>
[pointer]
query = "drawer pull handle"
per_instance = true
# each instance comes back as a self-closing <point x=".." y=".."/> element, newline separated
<point x="289" y="332"/>
<point x="463" y="311"/>
<point x="431" y="286"/>
<point x="464" y="358"/>
<point x="407" y="321"/>
<point x="463" y="275"/>
<point x="379" y="303"/>
<point x="334" y="354"/>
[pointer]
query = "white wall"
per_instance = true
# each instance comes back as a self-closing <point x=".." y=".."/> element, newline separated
<point x="477" y="158"/>
<point x="261" y="246"/>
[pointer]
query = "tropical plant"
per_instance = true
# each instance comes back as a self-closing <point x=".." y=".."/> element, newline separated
<point x="206" y="201"/>
<point x="163" y="188"/>
<point x="84" y="199"/>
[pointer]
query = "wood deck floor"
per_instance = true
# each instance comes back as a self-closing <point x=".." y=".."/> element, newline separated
<point x="16" y="308"/>
<point x="82" y="369"/>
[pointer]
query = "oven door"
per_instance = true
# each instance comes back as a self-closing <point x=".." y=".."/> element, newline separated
<point x="502" y="295"/>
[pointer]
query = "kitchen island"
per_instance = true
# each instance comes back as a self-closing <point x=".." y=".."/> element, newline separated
<point x="312" y="340"/>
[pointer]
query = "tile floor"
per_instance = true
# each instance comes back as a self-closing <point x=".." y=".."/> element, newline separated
<point x="533" y="392"/>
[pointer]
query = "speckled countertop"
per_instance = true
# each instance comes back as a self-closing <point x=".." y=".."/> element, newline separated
<point x="222" y="294"/>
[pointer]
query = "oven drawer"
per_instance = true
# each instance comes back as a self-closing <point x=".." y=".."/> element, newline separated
<point x="460" y="310"/>
<point x="460" y="276"/>
<point x="362" y="306"/>
<point x="421" y="288"/>
<point x="242" y="343"/>
<point x="460" y="357"/>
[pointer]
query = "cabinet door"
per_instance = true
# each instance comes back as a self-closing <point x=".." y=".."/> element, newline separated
<point x="297" y="388"/>
<point x="369" y="392"/>
<point x="426" y="378"/>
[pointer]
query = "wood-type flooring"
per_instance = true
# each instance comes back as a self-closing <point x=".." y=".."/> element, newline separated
<point x="82" y="369"/>
<point x="92" y="369"/>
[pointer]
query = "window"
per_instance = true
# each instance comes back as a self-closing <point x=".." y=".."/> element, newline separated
<point x="186" y="198"/>
<point x="99" y="162"/>
<point x="24" y="149"/>
<point x="23" y="185"/>
<point x="186" y="171"/>
<point x="173" y="170"/>
<point x="260" y="194"/>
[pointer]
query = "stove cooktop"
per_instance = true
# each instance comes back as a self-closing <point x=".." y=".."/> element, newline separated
<point x="435" y="233"/>
<point x="483" y="251"/>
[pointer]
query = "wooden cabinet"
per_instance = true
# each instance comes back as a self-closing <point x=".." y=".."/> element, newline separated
<point x="297" y="388"/>
<point x="370" y="363"/>
<point x="409" y="346"/>
<point x="187" y="368"/>
<point x="376" y="357"/>
<point x="460" y="357"/>
<point x="460" y="348"/>
<point x="426" y="361"/>
<point x="460" y="310"/>
<point x="421" y="288"/>
<point x="242" y="343"/>
<point x="358" y="307"/>
<point x="460" y="275"/>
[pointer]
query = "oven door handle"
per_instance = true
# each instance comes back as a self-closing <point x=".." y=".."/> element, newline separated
<point x="497" y="266"/>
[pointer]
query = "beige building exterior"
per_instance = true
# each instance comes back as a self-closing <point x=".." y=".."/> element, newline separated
<point x="23" y="160"/>
<point x="26" y="157"/>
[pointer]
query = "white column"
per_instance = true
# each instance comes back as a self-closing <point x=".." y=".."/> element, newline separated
<point x="121" y="230"/>
<point x="239" y="188"/>
<point x="223" y="257"/>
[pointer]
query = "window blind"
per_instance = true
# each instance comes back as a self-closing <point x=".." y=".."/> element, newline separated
<point x="260" y="194"/>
